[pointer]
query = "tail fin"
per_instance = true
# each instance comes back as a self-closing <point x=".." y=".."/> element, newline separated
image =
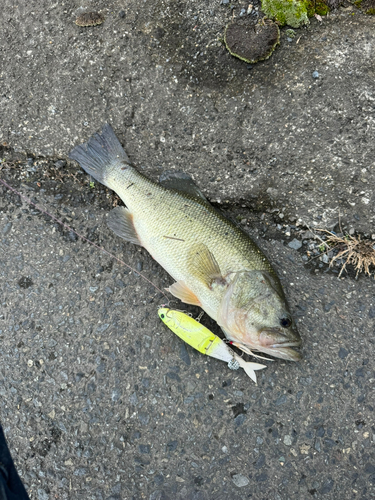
<point x="99" y="154"/>
<point x="250" y="368"/>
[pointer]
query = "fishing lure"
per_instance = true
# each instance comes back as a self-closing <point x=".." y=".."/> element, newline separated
<point x="204" y="341"/>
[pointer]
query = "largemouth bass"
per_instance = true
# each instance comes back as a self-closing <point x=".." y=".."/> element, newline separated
<point x="203" y="340"/>
<point x="215" y="263"/>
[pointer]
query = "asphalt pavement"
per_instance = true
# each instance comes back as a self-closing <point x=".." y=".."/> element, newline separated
<point x="98" y="399"/>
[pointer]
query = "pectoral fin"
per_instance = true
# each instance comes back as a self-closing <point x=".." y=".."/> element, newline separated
<point x="120" y="220"/>
<point x="203" y="265"/>
<point x="182" y="292"/>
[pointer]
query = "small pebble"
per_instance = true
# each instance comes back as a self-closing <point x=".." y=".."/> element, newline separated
<point x="327" y="486"/>
<point x="260" y="461"/>
<point x="295" y="244"/>
<point x="144" y="418"/>
<point x="172" y="445"/>
<point x="173" y="376"/>
<point x="240" y="419"/>
<point x="158" y="480"/>
<point x="320" y="431"/>
<point x="7" y="228"/>
<point x="42" y="495"/>
<point x="369" y="468"/>
<point x="325" y="258"/>
<point x="288" y="440"/>
<point x="289" y="39"/>
<point x="184" y="355"/>
<point x="343" y="353"/>
<point x="102" y="328"/>
<point x="144" y="448"/>
<point x="315" y="74"/>
<point x="328" y="306"/>
<point x="240" y="480"/>
<point x="121" y="13"/>
<point x="60" y="163"/>
<point x="307" y="235"/>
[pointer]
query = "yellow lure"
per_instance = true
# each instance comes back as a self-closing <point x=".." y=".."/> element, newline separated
<point x="204" y="341"/>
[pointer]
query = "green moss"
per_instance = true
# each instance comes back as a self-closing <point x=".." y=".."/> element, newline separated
<point x="295" y="13"/>
<point x="291" y="12"/>
<point x="370" y="12"/>
<point x="321" y="8"/>
<point x="310" y="8"/>
<point x="357" y="3"/>
<point x="290" y="33"/>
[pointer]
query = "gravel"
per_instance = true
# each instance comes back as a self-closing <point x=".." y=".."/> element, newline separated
<point x="295" y="244"/>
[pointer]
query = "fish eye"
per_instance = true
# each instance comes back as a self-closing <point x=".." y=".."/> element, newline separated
<point x="162" y="316"/>
<point x="285" y="322"/>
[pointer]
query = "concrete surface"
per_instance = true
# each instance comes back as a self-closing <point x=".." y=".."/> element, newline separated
<point x="98" y="400"/>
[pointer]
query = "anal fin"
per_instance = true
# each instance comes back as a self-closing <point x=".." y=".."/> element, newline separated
<point x="120" y="220"/>
<point x="182" y="292"/>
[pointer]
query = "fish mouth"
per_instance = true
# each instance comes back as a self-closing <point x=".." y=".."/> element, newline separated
<point x="286" y="344"/>
<point x="283" y="352"/>
<point x="276" y="344"/>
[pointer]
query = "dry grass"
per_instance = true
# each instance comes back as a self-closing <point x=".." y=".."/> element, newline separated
<point x="359" y="253"/>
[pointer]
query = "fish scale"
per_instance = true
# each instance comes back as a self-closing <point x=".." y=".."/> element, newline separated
<point x="208" y="255"/>
<point x="177" y="215"/>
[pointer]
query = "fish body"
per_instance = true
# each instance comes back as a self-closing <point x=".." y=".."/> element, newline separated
<point x="203" y="340"/>
<point x="215" y="264"/>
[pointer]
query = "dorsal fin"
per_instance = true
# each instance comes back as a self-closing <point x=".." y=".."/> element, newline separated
<point x="180" y="181"/>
